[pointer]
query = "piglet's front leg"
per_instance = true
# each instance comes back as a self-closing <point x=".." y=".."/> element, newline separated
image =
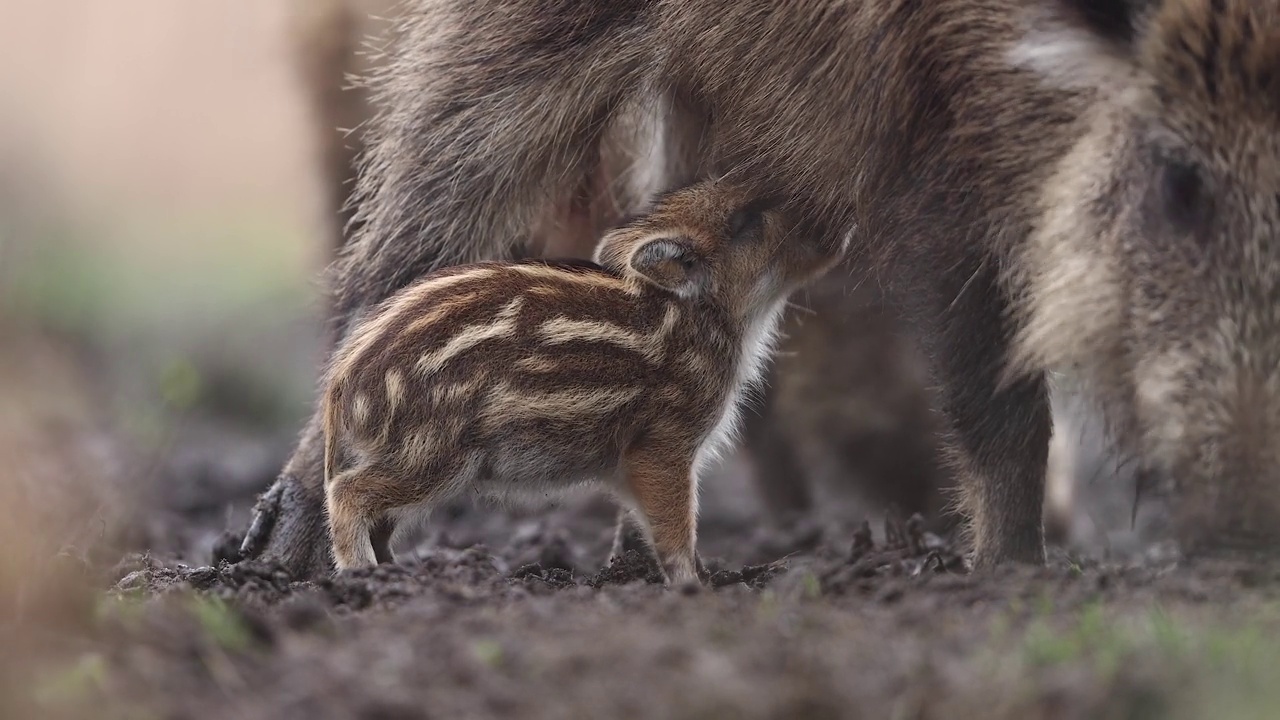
<point x="660" y="478"/>
<point x="629" y="534"/>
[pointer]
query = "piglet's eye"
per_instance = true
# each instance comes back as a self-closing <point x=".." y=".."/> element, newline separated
<point x="1184" y="198"/>
<point x="744" y="221"/>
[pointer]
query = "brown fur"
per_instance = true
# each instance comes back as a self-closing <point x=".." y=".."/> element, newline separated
<point x="1002" y="160"/>
<point x="336" y="44"/>
<point x="525" y="378"/>
<point x="1165" y="217"/>
<point x="916" y="128"/>
<point x="852" y="354"/>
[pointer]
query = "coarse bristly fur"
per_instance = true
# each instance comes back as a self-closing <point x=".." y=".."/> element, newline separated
<point x="1086" y="184"/>
<point x="530" y="377"/>
<point x="845" y="406"/>
<point x="1154" y="271"/>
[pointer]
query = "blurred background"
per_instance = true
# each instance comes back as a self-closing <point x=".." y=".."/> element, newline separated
<point x="162" y="227"/>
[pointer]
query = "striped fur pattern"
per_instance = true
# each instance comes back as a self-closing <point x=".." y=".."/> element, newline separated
<point x="527" y="378"/>
<point x="1084" y="185"/>
<point x="841" y="413"/>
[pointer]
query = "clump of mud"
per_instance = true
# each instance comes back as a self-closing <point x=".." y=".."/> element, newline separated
<point x="860" y="625"/>
<point x="474" y="572"/>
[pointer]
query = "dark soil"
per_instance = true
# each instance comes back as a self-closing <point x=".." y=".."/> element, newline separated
<point x="850" y="628"/>
<point x="514" y="613"/>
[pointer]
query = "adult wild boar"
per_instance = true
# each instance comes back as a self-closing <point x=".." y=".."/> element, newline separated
<point x="1085" y="184"/>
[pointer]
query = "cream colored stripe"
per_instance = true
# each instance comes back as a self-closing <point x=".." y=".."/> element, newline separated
<point x="439" y="311"/>
<point x="562" y="329"/>
<point x="595" y="279"/>
<point x="367" y="333"/>
<point x="506" y="404"/>
<point x="504" y="325"/>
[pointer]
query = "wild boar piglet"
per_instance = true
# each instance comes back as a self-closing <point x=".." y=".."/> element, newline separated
<point x="525" y="378"/>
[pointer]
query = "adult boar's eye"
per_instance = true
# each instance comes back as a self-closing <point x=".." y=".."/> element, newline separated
<point x="1185" y="201"/>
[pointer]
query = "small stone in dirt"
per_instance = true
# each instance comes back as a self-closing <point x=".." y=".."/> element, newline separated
<point x="134" y="571"/>
<point x="136" y="580"/>
<point x="202" y="578"/>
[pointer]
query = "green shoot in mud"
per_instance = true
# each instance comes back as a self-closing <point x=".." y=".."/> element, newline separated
<point x="1227" y="668"/>
<point x="488" y="652"/>
<point x="125" y="608"/>
<point x="222" y="624"/>
<point x="73" y="684"/>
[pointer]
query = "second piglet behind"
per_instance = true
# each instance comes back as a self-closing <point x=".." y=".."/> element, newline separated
<point x="530" y="377"/>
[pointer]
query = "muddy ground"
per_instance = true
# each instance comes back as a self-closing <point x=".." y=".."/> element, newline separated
<point x="110" y="513"/>
<point x="528" y="626"/>
<point x="512" y="613"/>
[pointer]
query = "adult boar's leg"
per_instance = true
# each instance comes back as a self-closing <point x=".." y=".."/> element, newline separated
<point x="997" y="435"/>
<point x="289" y="519"/>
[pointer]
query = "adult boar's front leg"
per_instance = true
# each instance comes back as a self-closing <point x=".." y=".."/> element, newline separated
<point x="289" y="519"/>
<point x="997" y="435"/>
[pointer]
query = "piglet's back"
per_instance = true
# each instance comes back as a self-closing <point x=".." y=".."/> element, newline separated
<point x="489" y="348"/>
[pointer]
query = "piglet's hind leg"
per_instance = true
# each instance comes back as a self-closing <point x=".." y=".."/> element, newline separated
<point x="359" y="525"/>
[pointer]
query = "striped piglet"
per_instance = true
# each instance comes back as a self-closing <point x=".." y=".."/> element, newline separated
<point x="524" y="378"/>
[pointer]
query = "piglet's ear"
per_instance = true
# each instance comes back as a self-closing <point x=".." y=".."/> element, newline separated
<point x="672" y="263"/>
<point x="1083" y="44"/>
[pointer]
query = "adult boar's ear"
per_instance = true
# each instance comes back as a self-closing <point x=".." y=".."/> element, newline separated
<point x="672" y="263"/>
<point x="1081" y="44"/>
